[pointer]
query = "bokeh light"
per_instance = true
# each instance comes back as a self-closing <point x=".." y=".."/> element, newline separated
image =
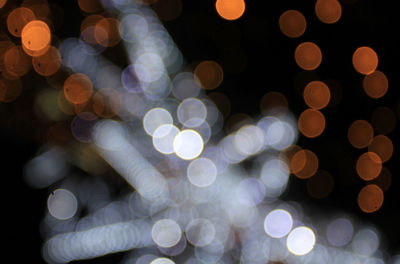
<point x="163" y="138"/>
<point x="188" y="144"/>
<point x="36" y="37"/>
<point x="17" y="19"/>
<point x="209" y="74"/>
<point x="304" y="164"/>
<point x="308" y="56"/>
<point x="155" y="118"/>
<point x="300" y="241"/>
<point x="62" y="204"/>
<point x="200" y="232"/>
<point x="230" y="9"/>
<point x="78" y="88"/>
<point x="360" y="134"/>
<point x="365" y="242"/>
<point x="316" y="94"/>
<point x="278" y="223"/>
<point x="202" y="172"/>
<point x="382" y="146"/>
<point x="166" y="233"/>
<point x="375" y="84"/>
<point x="311" y="123"/>
<point x="365" y="60"/>
<point x="370" y="198"/>
<point x="273" y="103"/>
<point x="48" y="63"/>
<point x="339" y="232"/>
<point x="328" y="11"/>
<point x="292" y="23"/>
<point x="369" y="166"/>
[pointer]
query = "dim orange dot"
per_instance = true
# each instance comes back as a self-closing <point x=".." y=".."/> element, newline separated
<point x="78" y="88"/>
<point x="16" y="62"/>
<point x="382" y="146"/>
<point x="209" y="74"/>
<point x="48" y="63"/>
<point x="273" y="103"/>
<point x="384" y="180"/>
<point x="383" y="120"/>
<point x="236" y="121"/>
<point x="292" y="23"/>
<point x="36" y="38"/>
<point x="17" y="19"/>
<point x="368" y="166"/>
<point x="365" y="60"/>
<point x="328" y="11"/>
<point x="304" y="164"/>
<point x="375" y="84"/>
<point x="40" y="8"/>
<point x="90" y="6"/>
<point x="106" y="103"/>
<point x="168" y="10"/>
<point x="317" y="95"/>
<point x="311" y="123"/>
<point x="308" y="56"/>
<point x="4" y="46"/>
<point x="222" y="102"/>
<point x="230" y="9"/>
<point x="107" y="32"/>
<point x="360" y="134"/>
<point x="370" y="198"/>
<point x="90" y="21"/>
<point x="320" y="185"/>
<point x="9" y="89"/>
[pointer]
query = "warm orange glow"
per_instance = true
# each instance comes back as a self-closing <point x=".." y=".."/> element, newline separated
<point x="9" y="89"/>
<point x="4" y="46"/>
<point x="230" y="9"/>
<point x="316" y="94"/>
<point x="106" y="32"/>
<point x="360" y="134"/>
<point x="375" y="84"/>
<point x="311" y="123"/>
<point x="308" y="56"/>
<point x="365" y="60"/>
<point x="17" y="19"/>
<point x="106" y="103"/>
<point x="292" y="23"/>
<point x="370" y="198"/>
<point x="90" y="21"/>
<point x="288" y="153"/>
<point x="328" y="11"/>
<point x="48" y="63"/>
<point x="2" y="3"/>
<point x="168" y="10"/>
<point x="209" y="74"/>
<point x="383" y="146"/>
<point x="304" y="164"/>
<point x="222" y="102"/>
<point x="40" y="8"/>
<point x="320" y="185"/>
<point x="384" y="180"/>
<point x="383" y="120"/>
<point x="273" y="102"/>
<point x="78" y="88"/>
<point x="90" y="6"/>
<point x="369" y="166"/>
<point x="16" y="62"/>
<point x="36" y="38"/>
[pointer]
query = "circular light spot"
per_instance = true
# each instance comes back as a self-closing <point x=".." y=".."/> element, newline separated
<point x="166" y="233"/>
<point x="339" y="232"/>
<point x="311" y="123"/>
<point x="370" y="198"/>
<point x="384" y="180"/>
<point x="200" y="232"/>
<point x="9" y="89"/>
<point x="278" y="223"/>
<point x="78" y="88"/>
<point x="308" y="56"/>
<point x="106" y="32"/>
<point x="383" y="146"/>
<point x="375" y="84"/>
<point x="316" y="94"/>
<point x="202" y="172"/>
<point x="230" y="9"/>
<point x="48" y="63"/>
<point x="192" y="112"/>
<point x="162" y="261"/>
<point x="163" y="138"/>
<point x="35" y="38"/>
<point x="16" y="62"/>
<point x="250" y="192"/>
<point x="90" y="6"/>
<point x="304" y="164"/>
<point x="274" y="174"/>
<point x="365" y="242"/>
<point x="360" y="134"/>
<point x="155" y="118"/>
<point x="188" y="144"/>
<point x="209" y="74"/>
<point x="292" y="23"/>
<point x="368" y="166"/>
<point x="365" y="60"/>
<point x="62" y="204"/>
<point x="328" y="11"/>
<point x="273" y="102"/>
<point x="17" y="19"/>
<point x="249" y="140"/>
<point x="300" y="241"/>
<point x="320" y="185"/>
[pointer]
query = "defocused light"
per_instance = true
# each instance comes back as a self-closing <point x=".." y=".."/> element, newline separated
<point x="250" y="192"/>
<point x="200" y="232"/>
<point x="274" y="174"/>
<point x="249" y="140"/>
<point x="2" y="3"/>
<point x="339" y="232"/>
<point x="383" y="146"/>
<point x="384" y="180"/>
<point x="375" y="84"/>
<point x="292" y="23"/>
<point x="35" y="38"/>
<point x="17" y="19"/>
<point x="188" y="144"/>
<point x="191" y="112"/>
<point x="311" y="123"/>
<point x="62" y="204"/>
<point x="48" y="63"/>
<point x="316" y="94"/>
<point x="185" y="86"/>
<point x="90" y="6"/>
<point x="163" y="138"/>
<point x="370" y="198"/>
<point x="78" y="88"/>
<point x="202" y="172"/>
<point x="82" y="125"/>
<point x="368" y="166"/>
<point x="155" y="118"/>
<point x="365" y="242"/>
<point x="304" y="164"/>
<point x="16" y="62"/>
<point x="162" y="261"/>
<point x="365" y="60"/>
<point x="273" y="103"/>
<point x="106" y="102"/>
<point x="133" y="27"/>
<point x="166" y="233"/>
<point x="106" y="32"/>
<point x="360" y="134"/>
<point x="320" y="185"/>
<point x="383" y="120"/>
<point x="308" y="56"/>
<point x="230" y="9"/>
<point x="149" y="67"/>
<point x="301" y="240"/>
<point x="210" y="253"/>
<point x="278" y="223"/>
<point x="328" y="11"/>
<point x="209" y="74"/>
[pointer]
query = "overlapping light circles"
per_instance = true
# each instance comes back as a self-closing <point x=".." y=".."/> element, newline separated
<point x="200" y="232"/>
<point x="300" y="241"/>
<point x="191" y="112"/>
<point x="166" y="233"/>
<point x="278" y="223"/>
<point x="202" y="172"/>
<point x="274" y="174"/>
<point x="155" y="118"/>
<point x="188" y="144"/>
<point x="35" y="38"/>
<point x="163" y="138"/>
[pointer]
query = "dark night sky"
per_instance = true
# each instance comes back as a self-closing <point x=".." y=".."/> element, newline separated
<point x="270" y="66"/>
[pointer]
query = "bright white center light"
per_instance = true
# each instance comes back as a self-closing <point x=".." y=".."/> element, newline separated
<point x="162" y="261"/>
<point x="166" y="233"/>
<point x="188" y="144"/>
<point x="155" y="118"/>
<point x="163" y="138"/>
<point x="278" y="223"/>
<point x="300" y="241"/>
<point x="62" y="204"/>
<point x="202" y="172"/>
